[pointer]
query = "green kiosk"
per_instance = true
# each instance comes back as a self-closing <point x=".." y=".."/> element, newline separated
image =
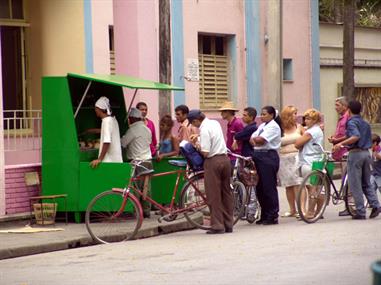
<point x="68" y="110"/>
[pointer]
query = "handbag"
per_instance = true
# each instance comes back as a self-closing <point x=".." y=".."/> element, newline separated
<point x="247" y="173"/>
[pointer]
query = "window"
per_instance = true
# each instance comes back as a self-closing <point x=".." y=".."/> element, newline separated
<point x="287" y="69"/>
<point x="11" y="9"/>
<point x="213" y="68"/>
<point x="111" y="49"/>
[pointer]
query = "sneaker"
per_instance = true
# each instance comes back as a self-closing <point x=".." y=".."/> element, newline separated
<point x="344" y="213"/>
<point x="358" y="217"/>
<point x="375" y="212"/>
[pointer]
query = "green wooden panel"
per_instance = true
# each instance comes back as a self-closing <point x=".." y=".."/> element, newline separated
<point x="162" y="187"/>
<point x="97" y="180"/>
<point x="60" y="156"/>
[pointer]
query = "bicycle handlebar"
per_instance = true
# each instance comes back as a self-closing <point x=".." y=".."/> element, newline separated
<point x="239" y="156"/>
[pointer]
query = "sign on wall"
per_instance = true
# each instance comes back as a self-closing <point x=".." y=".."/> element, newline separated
<point x="192" y="71"/>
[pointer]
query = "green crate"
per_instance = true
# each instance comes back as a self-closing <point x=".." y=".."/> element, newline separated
<point x="318" y="165"/>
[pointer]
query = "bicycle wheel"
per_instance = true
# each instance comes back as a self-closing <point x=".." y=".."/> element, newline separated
<point x="193" y="197"/>
<point x="349" y="201"/>
<point x="107" y="222"/>
<point x="240" y="200"/>
<point x="313" y="196"/>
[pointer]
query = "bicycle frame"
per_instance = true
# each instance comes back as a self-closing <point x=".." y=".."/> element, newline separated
<point x="168" y="210"/>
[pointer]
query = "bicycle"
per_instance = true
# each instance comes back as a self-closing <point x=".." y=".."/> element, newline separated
<point x="117" y="215"/>
<point x="246" y="205"/>
<point x="315" y="192"/>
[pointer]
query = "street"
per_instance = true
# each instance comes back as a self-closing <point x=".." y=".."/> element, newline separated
<point x="336" y="250"/>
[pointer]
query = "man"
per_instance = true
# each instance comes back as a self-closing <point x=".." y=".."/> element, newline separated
<point x="137" y="140"/>
<point x="359" y="142"/>
<point x="109" y="150"/>
<point x="142" y="107"/>
<point x="234" y="126"/>
<point x="185" y="129"/>
<point x="217" y="172"/>
<point x="341" y="107"/>
<point x="243" y="136"/>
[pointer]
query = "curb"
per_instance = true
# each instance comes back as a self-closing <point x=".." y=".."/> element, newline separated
<point x="86" y="240"/>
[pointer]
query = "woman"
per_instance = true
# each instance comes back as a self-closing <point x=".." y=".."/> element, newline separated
<point x="309" y="151"/>
<point x="288" y="174"/>
<point x="266" y="141"/>
<point x="169" y="144"/>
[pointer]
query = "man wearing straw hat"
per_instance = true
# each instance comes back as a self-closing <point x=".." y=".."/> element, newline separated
<point x="234" y="126"/>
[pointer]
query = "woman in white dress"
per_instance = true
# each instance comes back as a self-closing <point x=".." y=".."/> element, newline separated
<point x="288" y="170"/>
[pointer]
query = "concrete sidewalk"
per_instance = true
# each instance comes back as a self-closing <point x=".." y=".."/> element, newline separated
<point x="72" y="236"/>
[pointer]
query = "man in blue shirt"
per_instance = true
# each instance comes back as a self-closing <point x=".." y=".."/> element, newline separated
<point x="359" y="141"/>
<point x="248" y="117"/>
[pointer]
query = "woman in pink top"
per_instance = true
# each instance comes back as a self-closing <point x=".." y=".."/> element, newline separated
<point x="144" y="109"/>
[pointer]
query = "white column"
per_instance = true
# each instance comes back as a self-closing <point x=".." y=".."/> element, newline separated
<point x="2" y="168"/>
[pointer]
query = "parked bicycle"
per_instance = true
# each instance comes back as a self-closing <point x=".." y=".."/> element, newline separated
<point x="245" y="177"/>
<point x="315" y="191"/>
<point x="117" y="215"/>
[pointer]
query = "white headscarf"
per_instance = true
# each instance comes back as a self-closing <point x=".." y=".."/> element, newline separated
<point x="104" y="104"/>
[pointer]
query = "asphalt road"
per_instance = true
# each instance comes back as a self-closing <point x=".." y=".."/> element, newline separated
<point x="336" y="250"/>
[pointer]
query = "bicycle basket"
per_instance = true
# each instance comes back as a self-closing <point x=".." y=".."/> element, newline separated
<point x="247" y="173"/>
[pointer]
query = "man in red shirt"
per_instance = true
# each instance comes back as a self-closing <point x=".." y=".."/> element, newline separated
<point x="234" y="126"/>
<point x="341" y="107"/>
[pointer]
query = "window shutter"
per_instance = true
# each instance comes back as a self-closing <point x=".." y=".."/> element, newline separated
<point x="213" y="80"/>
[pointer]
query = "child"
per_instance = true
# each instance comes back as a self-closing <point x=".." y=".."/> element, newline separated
<point x="375" y="178"/>
<point x="169" y="144"/>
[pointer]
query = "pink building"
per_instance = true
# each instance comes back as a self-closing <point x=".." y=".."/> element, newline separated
<point x="251" y="52"/>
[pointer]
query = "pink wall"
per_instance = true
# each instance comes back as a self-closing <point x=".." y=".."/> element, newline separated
<point x="16" y="192"/>
<point x="102" y="17"/>
<point x="217" y="17"/>
<point x="297" y="45"/>
<point x="136" y="47"/>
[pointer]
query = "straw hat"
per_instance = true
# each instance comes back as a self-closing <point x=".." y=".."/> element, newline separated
<point x="228" y="106"/>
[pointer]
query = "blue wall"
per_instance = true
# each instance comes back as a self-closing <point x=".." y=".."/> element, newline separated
<point x="253" y="53"/>
<point x="88" y="36"/>
<point x="315" y="54"/>
<point x="177" y="50"/>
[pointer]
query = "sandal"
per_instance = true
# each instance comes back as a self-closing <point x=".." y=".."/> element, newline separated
<point x="288" y="215"/>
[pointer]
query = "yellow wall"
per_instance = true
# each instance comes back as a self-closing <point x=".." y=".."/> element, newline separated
<point x="56" y="41"/>
<point x="367" y="46"/>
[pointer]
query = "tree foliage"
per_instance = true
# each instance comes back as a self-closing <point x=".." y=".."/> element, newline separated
<point x="368" y="12"/>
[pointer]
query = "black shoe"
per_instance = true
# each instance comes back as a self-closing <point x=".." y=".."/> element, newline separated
<point x="214" y="232"/>
<point x="375" y="212"/>
<point x="228" y="230"/>
<point x="344" y="213"/>
<point x="146" y="215"/>
<point x="358" y="217"/>
<point x="270" y="222"/>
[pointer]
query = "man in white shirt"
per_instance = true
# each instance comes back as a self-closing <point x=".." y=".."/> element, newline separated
<point x="137" y="140"/>
<point x="110" y="149"/>
<point x="217" y="172"/>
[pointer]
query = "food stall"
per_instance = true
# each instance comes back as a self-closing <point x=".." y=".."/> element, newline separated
<point x="68" y="111"/>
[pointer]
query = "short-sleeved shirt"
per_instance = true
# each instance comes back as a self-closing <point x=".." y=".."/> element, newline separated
<point x="234" y="126"/>
<point x="212" y="138"/>
<point x="150" y="125"/>
<point x="110" y="134"/>
<point x="340" y="132"/>
<point x="137" y="140"/>
<point x="356" y="126"/>
<point x="310" y="152"/>
<point x="271" y="133"/>
<point x="185" y="131"/>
